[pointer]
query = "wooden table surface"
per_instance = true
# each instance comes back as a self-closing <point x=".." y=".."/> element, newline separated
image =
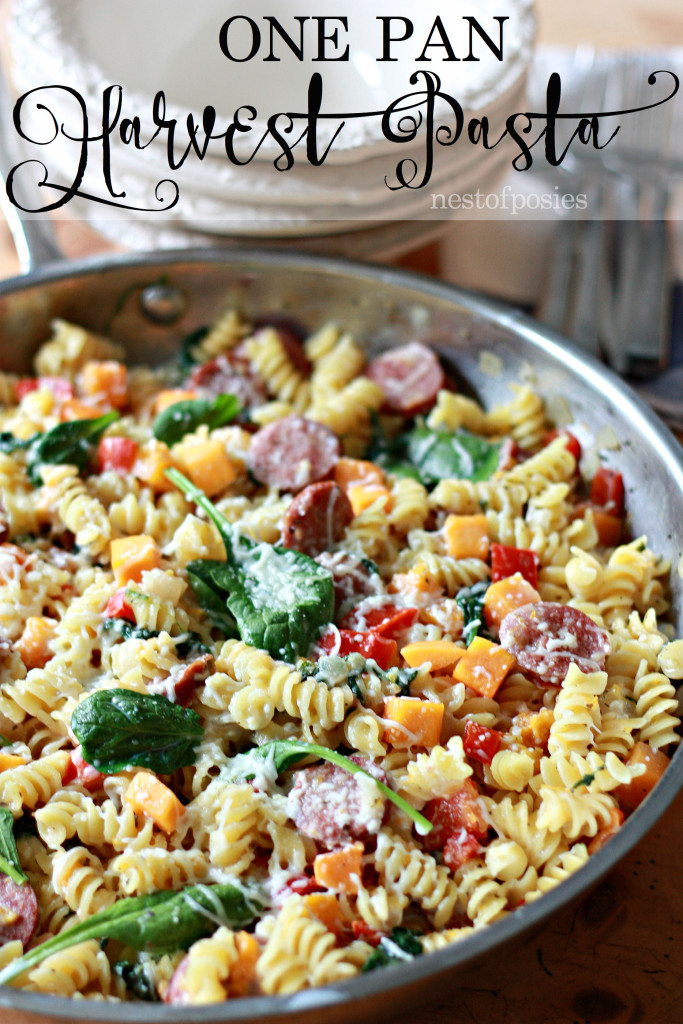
<point x="618" y="957"/>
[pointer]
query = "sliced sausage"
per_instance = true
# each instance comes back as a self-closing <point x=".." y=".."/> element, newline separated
<point x="187" y="678"/>
<point x="547" y="638"/>
<point x="411" y="377"/>
<point x="317" y="518"/>
<point x="292" y="453"/>
<point x="18" y="911"/>
<point x="352" y="575"/>
<point x="333" y="807"/>
<point x="229" y="374"/>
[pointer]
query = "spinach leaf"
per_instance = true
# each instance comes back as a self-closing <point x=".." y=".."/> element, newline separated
<point x="441" y="454"/>
<point x="4" y="742"/>
<point x="285" y="753"/>
<point x="9" y="858"/>
<point x="470" y="601"/>
<point x="278" y="598"/>
<point x="211" y="597"/>
<point x="350" y="669"/>
<point x="10" y="444"/>
<point x="127" y="631"/>
<point x="137" y="980"/>
<point x="403" y="944"/>
<point x="71" y="443"/>
<point x="433" y="455"/>
<point x="160" y="922"/>
<point x="184" y="417"/>
<point x="187" y="357"/>
<point x="117" y="728"/>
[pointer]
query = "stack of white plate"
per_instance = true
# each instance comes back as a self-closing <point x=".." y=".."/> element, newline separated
<point x="169" y="45"/>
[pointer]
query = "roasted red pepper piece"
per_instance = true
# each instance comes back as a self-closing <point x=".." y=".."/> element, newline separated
<point x="117" y="453"/>
<point x="117" y="607"/>
<point x="452" y="815"/>
<point x="573" y="443"/>
<point x="385" y="621"/>
<point x="506" y="561"/>
<point x="607" y="491"/>
<point x="370" y="645"/>
<point x="480" y="742"/>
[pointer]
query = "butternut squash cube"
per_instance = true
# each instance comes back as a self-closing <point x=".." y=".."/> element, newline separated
<point x="207" y="464"/>
<point x="341" y="869"/>
<point x="148" y="795"/>
<point x="483" y="667"/>
<point x="418" y="722"/>
<point x="131" y="556"/>
<point x="467" y="536"/>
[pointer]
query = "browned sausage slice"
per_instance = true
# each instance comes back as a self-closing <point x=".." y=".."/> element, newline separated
<point x="334" y="807"/>
<point x="292" y="453"/>
<point x="411" y="377"/>
<point x="18" y="911"/>
<point x="547" y="638"/>
<point x="317" y="518"/>
<point x="229" y="374"/>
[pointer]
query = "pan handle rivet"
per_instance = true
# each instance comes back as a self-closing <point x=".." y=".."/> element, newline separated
<point x="163" y="303"/>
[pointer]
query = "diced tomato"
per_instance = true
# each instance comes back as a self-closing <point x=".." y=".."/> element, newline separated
<point x="361" y="930"/>
<point x="506" y="561"/>
<point x="117" y="607"/>
<point x="304" y="885"/>
<point x="573" y="443"/>
<point x="459" y="849"/>
<point x="79" y="767"/>
<point x="24" y="386"/>
<point x="607" y="491"/>
<point x="450" y="815"/>
<point x="116" y="453"/>
<point x="370" y="645"/>
<point x="385" y="621"/>
<point x="480" y="742"/>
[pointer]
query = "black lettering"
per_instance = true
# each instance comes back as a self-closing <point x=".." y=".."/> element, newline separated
<point x="333" y="38"/>
<point x="298" y="51"/>
<point x="445" y="42"/>
<point x="476" y="27"/>
<point x="255" y="38"/>
<point x="388" y="39"/>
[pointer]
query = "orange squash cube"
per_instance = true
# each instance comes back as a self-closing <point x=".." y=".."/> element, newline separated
<point x="467" y="536"/>
<point x="8" y="761"/>
<point x="34" y="643"/>
<point x="131" y="556"/>
<point x="106" y="380"/>
<point x="325" y="906"/>
<point x="207" y="464"/>
<point x="148" y="795"/>
<point x="154" y="458"/>
<point x="505" y="595"/>
<point x="442" y="655"/>
<point x="483" y="667"/>
<point x="341" y="869"/>
<point x="632" y="795"/>
<point x="419" y="720"/>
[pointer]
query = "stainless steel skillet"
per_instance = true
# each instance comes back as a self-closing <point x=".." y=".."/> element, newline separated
<point x="126" y="296"/>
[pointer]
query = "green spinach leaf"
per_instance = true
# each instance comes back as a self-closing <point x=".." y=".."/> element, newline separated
<point x="278" y="598"/>
<point x="9" y="858"/>
<point x="403" y="944"/>
<point x="71" y="443"/>
<point x="184" y="417"/>
<point x="442" y="454"/>
<point x="161" y="922"/>
<point x="470" y="601"/>
<point x="137" y="980"/>
<point x="10" y="444"/>
<point x="285" y="753"/>
<point x="117" y="728"/>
